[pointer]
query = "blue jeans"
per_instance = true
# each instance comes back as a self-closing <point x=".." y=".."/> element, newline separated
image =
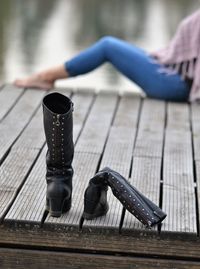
<point x="135" y="64"/>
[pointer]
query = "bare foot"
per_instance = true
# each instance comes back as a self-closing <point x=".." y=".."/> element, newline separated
<point x="43" y="80"/>
<point x="34" y="81"/>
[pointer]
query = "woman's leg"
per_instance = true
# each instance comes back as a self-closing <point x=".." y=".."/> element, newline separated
<point x="131" y="61"/>
<point x="135" y="64"/>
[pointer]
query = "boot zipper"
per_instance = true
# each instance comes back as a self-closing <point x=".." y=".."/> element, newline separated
<point x="57" y="121"/>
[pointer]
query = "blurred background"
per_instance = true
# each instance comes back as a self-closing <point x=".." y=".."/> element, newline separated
<point x="36" y="34"/>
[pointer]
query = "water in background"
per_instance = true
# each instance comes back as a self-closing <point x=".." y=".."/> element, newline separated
<point x="36" y="34"/>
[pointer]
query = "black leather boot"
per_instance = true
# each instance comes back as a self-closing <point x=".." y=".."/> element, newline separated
<point x="135" y="202"/>
<point x="95" y="199"/>
<point x="58" y="126"/>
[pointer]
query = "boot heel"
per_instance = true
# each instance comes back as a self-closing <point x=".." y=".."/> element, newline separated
<point x="57" y="206"/>
<point x="67" y="205"/>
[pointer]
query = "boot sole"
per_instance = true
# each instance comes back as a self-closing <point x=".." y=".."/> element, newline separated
<point x="101" y="213"/>
<point x="56" y="206"/>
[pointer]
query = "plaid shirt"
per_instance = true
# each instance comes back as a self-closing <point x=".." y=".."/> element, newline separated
<point x="183" y="53"/>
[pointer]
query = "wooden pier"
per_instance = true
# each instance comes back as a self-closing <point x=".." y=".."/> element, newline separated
<point x="154" y="144"/>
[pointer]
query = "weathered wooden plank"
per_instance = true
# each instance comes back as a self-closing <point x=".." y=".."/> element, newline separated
<point x="146" y="168"/>
<point x="149" y="142"/>
<point x="18" y="258"/>
<point x="8" y="97"/>
<point x="145" y="177"/>
<point x="19" y="117"/>
<point x="178" y="178"/>
<point x="82" y="104"/>
<point x="152" y="116"/>
<point x="12" y="174"/>
<point x="127" y="112"/>
<point x="63" y="237"/>
<point x="19" y="161"/>
<point x="30" y="202"/>
<point x="118" y="156"/>
<point x="33" y="135"/>
<point x="197" y="166"/>
<point x="97" y="125"/>
<point x="179" y="204"/>
<point x="178" y="116"/>
<point x="195" y="118"/>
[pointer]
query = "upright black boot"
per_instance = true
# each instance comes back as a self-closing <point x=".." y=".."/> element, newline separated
<point x="58" y="126"/>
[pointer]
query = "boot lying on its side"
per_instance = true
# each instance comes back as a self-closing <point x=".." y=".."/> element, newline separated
<point x="136" y="203"/>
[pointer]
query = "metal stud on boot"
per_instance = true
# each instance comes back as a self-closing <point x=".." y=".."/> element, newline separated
<point x="58" y="127"/>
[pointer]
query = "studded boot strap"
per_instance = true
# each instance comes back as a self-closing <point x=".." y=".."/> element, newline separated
<point x="135" y="202"/>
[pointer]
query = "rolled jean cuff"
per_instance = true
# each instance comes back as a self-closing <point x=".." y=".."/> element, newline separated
<point x="69" y="69"/>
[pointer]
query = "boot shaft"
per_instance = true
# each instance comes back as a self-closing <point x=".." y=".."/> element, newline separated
<point x="58" y="127"/>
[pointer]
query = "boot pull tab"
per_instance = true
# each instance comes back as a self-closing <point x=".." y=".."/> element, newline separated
<point x="57" y="120"/>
